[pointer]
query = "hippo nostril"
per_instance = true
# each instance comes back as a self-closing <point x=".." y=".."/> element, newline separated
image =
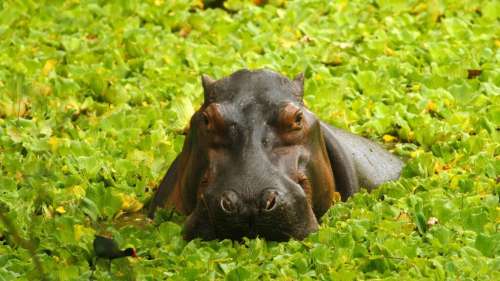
<point x="270" y="203"/>
<point x="228" y="202"/>
<point x="226" y="205"/>
<point x="270" y="198"/>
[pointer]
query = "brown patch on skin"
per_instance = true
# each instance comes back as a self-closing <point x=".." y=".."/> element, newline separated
<point x="303" y="181"/>
<point x="321" y="176"/>
<point x="290" y="118"/>
<point x="213" y="118"/>
<point x="215" y="124"/>
<point x="189" y="186"/>
<point x="175" y="198"/>
<point x="292" y="126"/>
<point x="209" y="174"/>
<point x="189" y="173"/>
<point x="205" y="180"/>
<point x="319" y="185"/>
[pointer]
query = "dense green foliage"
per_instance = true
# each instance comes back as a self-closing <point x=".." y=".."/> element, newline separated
<point x="94" y="97"/>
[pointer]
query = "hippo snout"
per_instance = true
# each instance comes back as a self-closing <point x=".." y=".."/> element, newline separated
<point x="265" y="202"/>
<point x="272" y="213"/>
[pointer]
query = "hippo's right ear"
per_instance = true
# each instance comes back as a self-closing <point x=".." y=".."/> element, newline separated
<point x="207" y="82"/>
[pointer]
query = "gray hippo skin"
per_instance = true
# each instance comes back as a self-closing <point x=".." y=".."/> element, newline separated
<point x="359" y="162"/>
<point x="257" y="162"/>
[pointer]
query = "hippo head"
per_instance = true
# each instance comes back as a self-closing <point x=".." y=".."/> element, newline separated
<point x="254" y="162"/>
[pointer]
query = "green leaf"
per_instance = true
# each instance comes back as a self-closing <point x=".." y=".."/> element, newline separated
<point x="238" y="274"/>
<point x="489" y="245"/>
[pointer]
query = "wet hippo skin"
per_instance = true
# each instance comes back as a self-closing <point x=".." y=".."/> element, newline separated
<point x="256" y="162"/>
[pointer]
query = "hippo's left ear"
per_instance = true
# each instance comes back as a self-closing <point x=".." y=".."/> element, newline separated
<point x="207" y="82"/>
<point x="299" y="84"/>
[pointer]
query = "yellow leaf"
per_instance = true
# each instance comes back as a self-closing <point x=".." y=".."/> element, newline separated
<point x="403" y="217"/>
<point x="454" y="182"/>
<point x="420" y="8"/>
<point x="438" y="167"/>
<point x="411" y="135"/>
<point x="336" y="197"/>
<point x="72" y="104"/>
<point x="78" y="231"/>
<point x="415" y="87"/>
<point x="60" y="210"/>
<point x="431" y="106"/>
<point x="130" y="204"/>
<point x="54" y="143"/>
<point x="287" y="44"/>
<point x="198" y="3"/>
<point x="49" y="66"/>
<point x="14" y="108"/>
<point x="19" y="176"/>
<point x="81" y="230"/>
<point x="78" y="191"/>
<point x="389" y="138"/>
<point x="389" y="52"/>
<point x="167" y="59"/>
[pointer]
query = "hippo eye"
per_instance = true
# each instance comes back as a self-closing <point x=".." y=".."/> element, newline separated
<point x="291" y="117"/>
<point x="296" y="124"/>
<point x="298" y="118"/>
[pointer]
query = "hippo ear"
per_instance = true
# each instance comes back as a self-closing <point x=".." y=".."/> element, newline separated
<point x="207" y="83"/>
<point x="299" y="84"/>
<point x="179" y="187"/>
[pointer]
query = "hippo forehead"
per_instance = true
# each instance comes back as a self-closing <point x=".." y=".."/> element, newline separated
<point x="265" y="88"/>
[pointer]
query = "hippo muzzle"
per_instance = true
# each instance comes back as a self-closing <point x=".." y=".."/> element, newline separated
<point x="265" y="204"/>
<point x="271" y="213"/>
<point x="257" y="163"/>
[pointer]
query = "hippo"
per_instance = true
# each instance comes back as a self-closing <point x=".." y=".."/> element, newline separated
<point x="257" y="163"/>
